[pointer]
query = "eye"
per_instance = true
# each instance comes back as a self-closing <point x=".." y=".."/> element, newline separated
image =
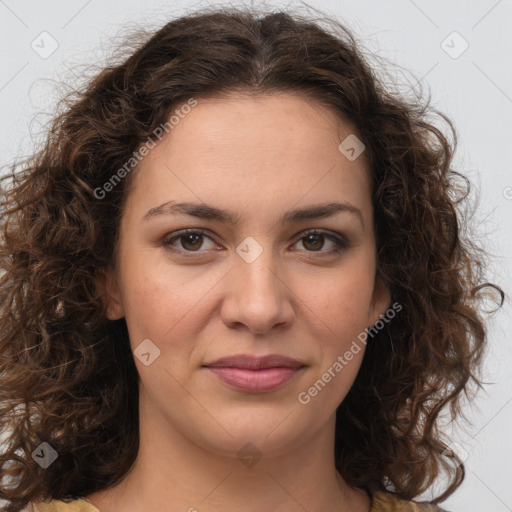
<point x="191" y="240"/>
<point x="314" y="239"/>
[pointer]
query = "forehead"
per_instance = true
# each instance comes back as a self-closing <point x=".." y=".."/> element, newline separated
<point x="284" y="122"/>
<point x="266" y="149"/>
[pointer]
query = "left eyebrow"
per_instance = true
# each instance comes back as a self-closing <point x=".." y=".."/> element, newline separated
<point x="206" y="211"/>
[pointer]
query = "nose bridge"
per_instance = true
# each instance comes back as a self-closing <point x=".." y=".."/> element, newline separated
<point x="256" y="269"/>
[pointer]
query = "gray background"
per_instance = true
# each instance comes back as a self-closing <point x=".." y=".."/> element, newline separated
<point x="473" y="87"/>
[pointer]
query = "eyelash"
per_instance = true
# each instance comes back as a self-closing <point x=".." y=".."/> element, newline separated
<point x="341" y="243"/>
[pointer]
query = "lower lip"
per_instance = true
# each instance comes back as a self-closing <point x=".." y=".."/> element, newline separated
<point x="255" y="381"/>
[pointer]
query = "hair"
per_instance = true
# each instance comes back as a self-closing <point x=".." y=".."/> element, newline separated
<point x="67" y="373"/>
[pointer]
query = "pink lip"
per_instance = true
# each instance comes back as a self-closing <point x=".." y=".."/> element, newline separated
<point x="255" y="374"/>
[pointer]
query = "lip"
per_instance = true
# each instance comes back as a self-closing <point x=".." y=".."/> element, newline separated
<point x="250" y="362"/>
<point x="255" y="374"/>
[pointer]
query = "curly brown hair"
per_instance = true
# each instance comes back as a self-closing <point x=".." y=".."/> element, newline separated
<point x="67" y="374"/>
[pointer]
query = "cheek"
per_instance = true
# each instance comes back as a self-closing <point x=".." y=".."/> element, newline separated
<point x="338" y="313"/>
<point x="165" y="303"/>
<point x="342" y="296"/>
<point x="153" y="301"/>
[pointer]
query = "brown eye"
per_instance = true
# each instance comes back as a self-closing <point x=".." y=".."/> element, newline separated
<point x="314" y="241"/>
<point x="190" y="241"/>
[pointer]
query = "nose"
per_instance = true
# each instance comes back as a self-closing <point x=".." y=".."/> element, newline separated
<point x="257" y="296"/>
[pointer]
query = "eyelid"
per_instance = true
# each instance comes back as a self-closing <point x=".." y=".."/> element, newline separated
<point x="340" y="240"/>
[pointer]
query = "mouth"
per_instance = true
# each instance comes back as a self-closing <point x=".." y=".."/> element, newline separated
<point x="255" y="374"/>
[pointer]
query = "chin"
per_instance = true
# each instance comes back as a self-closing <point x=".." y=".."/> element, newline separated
<point x="269" y="435"/>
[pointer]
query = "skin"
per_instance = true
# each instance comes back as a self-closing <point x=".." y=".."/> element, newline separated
<point x="258" y="156"/>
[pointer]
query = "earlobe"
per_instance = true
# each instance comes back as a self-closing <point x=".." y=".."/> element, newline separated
<point x="108" y="290"/>
<point x="381" y="301"/>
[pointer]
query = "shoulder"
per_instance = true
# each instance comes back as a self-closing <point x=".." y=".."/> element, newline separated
<point x="388" y="502"/>
<point x="80" y="505"/>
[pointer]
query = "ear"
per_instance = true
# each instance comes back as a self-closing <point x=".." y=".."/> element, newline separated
<point x="108" y="289"/>
<point x="381" y="301"/>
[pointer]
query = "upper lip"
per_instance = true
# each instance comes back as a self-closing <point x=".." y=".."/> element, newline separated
<point x="251" y="362"/>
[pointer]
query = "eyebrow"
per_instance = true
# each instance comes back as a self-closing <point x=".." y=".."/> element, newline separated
<point x="206" y="211"/>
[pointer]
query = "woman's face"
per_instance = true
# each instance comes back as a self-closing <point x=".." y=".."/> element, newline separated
<point x="249" y="279"/>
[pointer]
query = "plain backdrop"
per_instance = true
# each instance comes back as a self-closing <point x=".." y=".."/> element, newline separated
<point x="460" y="51"/>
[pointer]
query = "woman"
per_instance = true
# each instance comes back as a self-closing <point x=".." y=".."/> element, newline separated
<point x="233" y="278"/>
